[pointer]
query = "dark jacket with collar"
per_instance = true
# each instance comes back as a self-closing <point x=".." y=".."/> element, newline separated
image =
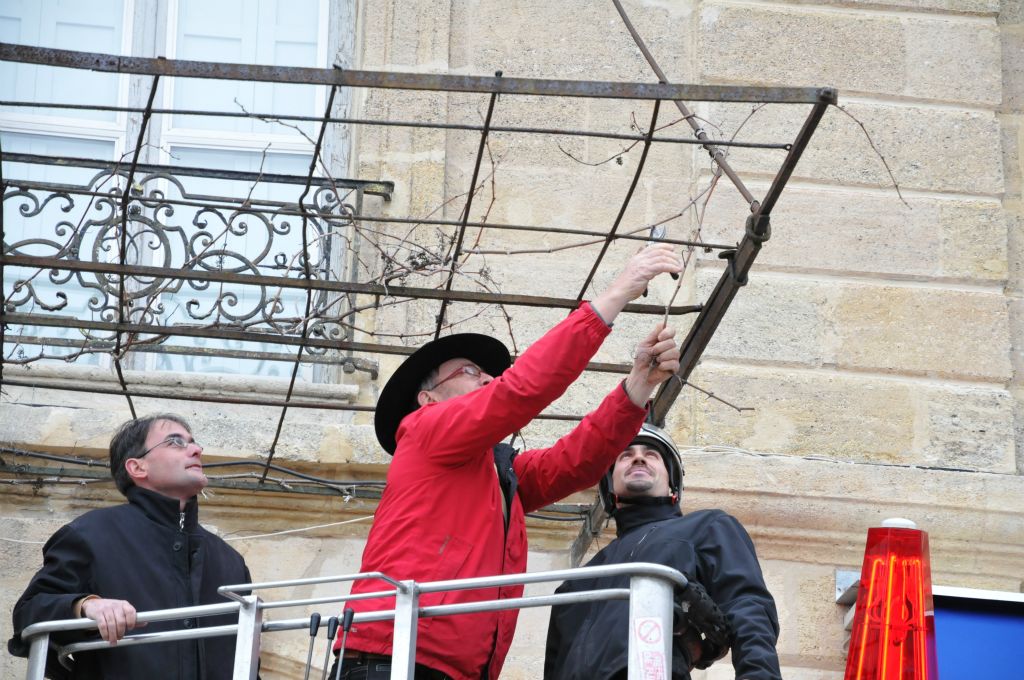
<point x="589" y="641"/>
<point x="152" y="555"/>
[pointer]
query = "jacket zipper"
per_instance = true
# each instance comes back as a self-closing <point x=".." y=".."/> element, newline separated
<point x="507" y="520"/>
<point x="188" y="580"/>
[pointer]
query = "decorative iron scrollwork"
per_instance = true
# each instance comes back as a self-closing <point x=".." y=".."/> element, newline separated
<point x="175" y="232"/>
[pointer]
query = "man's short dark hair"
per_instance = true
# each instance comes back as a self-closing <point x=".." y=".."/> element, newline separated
<point x="428" y="382"/>
<point x="130" y="442"/>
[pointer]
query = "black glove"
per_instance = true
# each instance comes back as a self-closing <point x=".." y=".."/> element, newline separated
<point x="697" y="615"/>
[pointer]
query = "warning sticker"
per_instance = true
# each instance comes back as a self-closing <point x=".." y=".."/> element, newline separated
<point x="649" y="637"/>
<point x="652" y="666"/>
<point x="649" y="631"/>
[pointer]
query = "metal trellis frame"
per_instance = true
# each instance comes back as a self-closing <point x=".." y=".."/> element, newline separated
<point x="129" y="204"/>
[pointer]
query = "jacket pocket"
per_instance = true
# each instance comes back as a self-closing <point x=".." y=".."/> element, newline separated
<point x="449" y="557"/>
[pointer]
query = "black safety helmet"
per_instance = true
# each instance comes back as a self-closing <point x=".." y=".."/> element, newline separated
<point x="655" y="438"/>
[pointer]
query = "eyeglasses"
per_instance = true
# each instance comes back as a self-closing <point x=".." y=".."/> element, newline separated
<point x="175" y="441"/>
<point x="469" y="369"/>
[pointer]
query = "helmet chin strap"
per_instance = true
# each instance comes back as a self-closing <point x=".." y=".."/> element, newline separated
<point x="647" y="500"/>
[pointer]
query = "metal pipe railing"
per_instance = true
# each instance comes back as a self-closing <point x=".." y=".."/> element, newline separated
<point x="142" y="617"/>
<point x="38" y="634"/>
<point x="145" y="639"/>
<point x="469" y="607"/>
<point x="650" y="595"/>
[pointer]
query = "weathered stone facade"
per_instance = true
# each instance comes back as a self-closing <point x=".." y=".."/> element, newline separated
<point x="879" y="340"/>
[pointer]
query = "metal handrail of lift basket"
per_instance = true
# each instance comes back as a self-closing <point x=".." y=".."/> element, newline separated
<point x="650" y="615"/>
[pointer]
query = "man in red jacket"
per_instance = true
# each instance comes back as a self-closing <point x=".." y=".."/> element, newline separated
<point x="455" y="498"/>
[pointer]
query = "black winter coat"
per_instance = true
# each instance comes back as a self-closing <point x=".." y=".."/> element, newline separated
<point x="589" y="641"/>
<point x="152" y="555"/>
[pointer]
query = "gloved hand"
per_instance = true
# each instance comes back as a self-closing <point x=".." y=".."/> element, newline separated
<point x="700" y="621"/>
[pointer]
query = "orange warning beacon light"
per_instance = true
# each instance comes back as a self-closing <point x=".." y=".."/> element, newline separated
<point x="893" y="636"/>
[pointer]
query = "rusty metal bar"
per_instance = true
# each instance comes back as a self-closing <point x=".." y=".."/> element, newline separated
<point x="625" y="203"/>
<point x="200" y="332"/>
<point x="398" y="123"/>
<point x="735" y="275"/>
<point x="376" y="188"/>
<point x="14" y="319"/>
<point x="457" y="252"/>
<point x="85" y="468"/>
<point x="111" y="63"/>
<point x="143" y="393"/>
<point x="320" y="285"/>
<point x="104" y="347"/>
<point x="126" y="198"/>
<point x="362" y="489"/>
<point x="212" y="202"/>
<point x="364" y="365"/>
<point x="544" y="230"/>
<point x="307" y="274"/>
<point x="87" y="462"/>
<point x="320" y="488"/>
<point x="359" y="217"/>
<point x="197" y="396"/>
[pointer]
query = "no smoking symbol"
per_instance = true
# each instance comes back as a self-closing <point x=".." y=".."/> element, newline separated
<point x="649" y="631"/>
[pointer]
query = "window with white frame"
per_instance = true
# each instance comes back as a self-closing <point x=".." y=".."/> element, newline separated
<point x="100" y="26"/>
<point x="277" y="32"/>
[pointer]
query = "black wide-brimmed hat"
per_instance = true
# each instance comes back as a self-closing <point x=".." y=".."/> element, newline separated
<point x="398" y="398"/>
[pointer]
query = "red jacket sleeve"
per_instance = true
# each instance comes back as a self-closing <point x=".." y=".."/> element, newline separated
<point x="579" y="459"/>
<point x="452" y="431"/>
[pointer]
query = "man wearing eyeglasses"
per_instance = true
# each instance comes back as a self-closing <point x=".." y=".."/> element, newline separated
<point x="149" y="553"/>
<point x="455" y="498"/>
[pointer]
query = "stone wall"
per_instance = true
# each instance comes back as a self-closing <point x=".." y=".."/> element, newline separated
<point x="878" y="341"/>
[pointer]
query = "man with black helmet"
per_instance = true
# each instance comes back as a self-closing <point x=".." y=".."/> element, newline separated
<point x="589" y="640"/>
<point x="455" y="498"/>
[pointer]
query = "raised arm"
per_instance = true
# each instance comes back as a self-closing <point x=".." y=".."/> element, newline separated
<point x="475" y="421"/>
<point x="656" y="360"/>
<point x="577" y="460"/>
<point x="632" y="281"/>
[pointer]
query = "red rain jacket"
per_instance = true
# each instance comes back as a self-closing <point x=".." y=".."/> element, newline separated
<point x="441" y="513"/>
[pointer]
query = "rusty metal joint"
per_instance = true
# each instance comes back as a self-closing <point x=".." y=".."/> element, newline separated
<point x="352" y="364"/>
<point x="730" y="266"/>
<point x="759" y="227"/>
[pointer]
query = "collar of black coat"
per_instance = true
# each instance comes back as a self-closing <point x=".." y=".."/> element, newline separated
<point x="630" y="517"/>
<point x="163" y="509"/>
